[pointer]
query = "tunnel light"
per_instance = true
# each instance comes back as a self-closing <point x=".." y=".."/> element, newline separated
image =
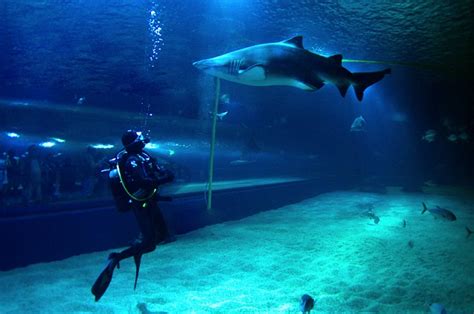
<point x="59" y="140"/>
<point x="13" y="135"/>
<point x="102" y="146"/>
<point x="152" y="146"/>
<point x="47" y="144"/>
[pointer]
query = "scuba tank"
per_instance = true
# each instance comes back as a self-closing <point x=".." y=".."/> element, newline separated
<point x="122" y="196"/>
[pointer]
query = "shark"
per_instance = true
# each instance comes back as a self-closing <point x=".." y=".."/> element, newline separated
<point x="288" y="63"/>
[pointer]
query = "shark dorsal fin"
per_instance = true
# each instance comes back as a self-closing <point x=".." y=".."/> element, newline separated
<point x="336" y="58"/>
<point x="296" y="41"/>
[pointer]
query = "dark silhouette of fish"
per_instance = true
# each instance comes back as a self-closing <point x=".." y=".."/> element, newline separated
<point x="439" y="212"/>
<point x="143" y="309"/>
<point x="358" y="125"/>
<point x="306" y="303"/>
<point x="370" y="213"/>
<point x="437" y="308"/>
<point x="469" y="232"/>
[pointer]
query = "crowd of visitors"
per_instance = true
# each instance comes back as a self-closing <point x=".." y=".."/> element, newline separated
<point x="39" y="176"/>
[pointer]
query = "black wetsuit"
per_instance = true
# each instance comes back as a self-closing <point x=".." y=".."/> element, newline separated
<point x="142" y="175"/>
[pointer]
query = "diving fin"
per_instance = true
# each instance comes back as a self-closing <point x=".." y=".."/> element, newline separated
<point x="103" y="281"/>
<point x="138" y="259"/>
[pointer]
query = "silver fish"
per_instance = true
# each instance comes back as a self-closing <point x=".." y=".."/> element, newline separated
<point x="439" y="212"/>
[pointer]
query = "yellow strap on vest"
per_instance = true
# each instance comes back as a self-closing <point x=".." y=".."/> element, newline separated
<point x="130" y="194"/>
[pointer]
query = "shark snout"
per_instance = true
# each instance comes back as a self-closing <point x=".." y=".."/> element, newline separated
<point x="203" y="64"/>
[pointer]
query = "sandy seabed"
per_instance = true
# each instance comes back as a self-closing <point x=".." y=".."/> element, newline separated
<point x="323" y="246"/>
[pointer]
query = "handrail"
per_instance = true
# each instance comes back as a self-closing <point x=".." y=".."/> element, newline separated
<point x="213" y="143"/>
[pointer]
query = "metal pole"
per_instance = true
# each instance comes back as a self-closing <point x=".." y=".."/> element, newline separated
<point x="213" y="143"/>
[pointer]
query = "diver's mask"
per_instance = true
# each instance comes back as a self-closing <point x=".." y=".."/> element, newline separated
<point x="133" y="140"/>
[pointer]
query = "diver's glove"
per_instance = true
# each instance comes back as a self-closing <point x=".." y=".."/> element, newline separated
<point x="170" y="175"/>
<point x="165" y="176"/>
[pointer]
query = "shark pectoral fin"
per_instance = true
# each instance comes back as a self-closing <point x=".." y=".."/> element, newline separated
<point x="307" y="86"/>
<point x="336" y="58"/>
<point x="303" y="86"/>
<point x="254" y="73"/>
<point x="343" y="89"/>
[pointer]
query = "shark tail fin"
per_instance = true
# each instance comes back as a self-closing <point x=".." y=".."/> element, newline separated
<point x="362" y="80"/>
<point x="424" y="208"/>
<point x="469" y="232"/>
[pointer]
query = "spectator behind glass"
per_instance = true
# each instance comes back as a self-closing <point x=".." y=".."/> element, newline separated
<point x="50" y="175"/>
<point x="67" y="178"/>
<point x="13" y="173"/>
<point x="3" y="179"/>
<point x="32" y="175"/>
<point x="89" y="172"/>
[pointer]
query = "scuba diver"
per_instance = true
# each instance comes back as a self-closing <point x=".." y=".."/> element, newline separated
<point x="134" y="178"/>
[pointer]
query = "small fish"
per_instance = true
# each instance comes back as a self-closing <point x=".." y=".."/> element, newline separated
<point x="469" y="232"/>
<point x="373" y="216"/>
<point x="225" y="99"/>
<point x="399" y="117"/>
<point x="221" y="115"/>
<point x="81" y="101"/>
<point x="143" y="309"/>
<point x="452" y="138"/>
<point x="439" y="212"/>
<point x="411" y="244"/>
<point x="358" y="125"/>
<point x="429" y="136"/>
<point x="437" y="308"/>
<point x="448" y="124"/>
<point x="404" y="223"/>
<point x="464" y="137"/>
<point x="430" y="183"/>
<point x="306" y="303"/>
<point x="241" y="162"/>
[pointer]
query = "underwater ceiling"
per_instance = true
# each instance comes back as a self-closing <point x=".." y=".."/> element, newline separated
<point x="71" y="47"/>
